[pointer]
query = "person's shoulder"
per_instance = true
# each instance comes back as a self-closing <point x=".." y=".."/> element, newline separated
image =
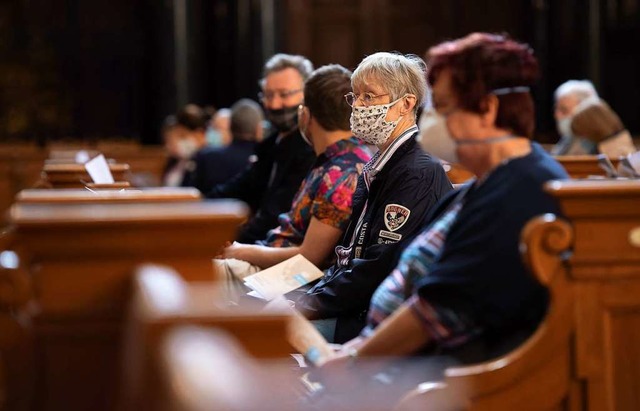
<point x="418" y="161"/>
<point x="538" y="166"/>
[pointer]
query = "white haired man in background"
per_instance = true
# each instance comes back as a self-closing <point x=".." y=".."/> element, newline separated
<point x="568" y="97"/>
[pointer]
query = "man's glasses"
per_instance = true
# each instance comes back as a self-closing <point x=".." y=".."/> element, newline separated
<point x="366" y="98"/>
<point x="271" y="95"/>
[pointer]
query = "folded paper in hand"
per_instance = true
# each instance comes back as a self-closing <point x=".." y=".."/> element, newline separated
<point x="99" y="170"/>
<point x="282" y="278"/>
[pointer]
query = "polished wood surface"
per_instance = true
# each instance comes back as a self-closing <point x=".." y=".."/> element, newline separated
<point x="537" y="375"/>
<point x="80" y="259"/>
<point x="163" y="301"/>
<point x="21" y="164"/>
<point x="605" y="274"/>
<point x="585" y="356"/>
<point x="205" y="369"/>
<point x="457" y="173"/>
<point x="162" y="194"/>
<point x="583" y="166"/>
<point x="76" y="176"/>
<point x="16" y="333"/>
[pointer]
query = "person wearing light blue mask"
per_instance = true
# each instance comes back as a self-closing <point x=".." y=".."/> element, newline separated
<point x="218" y="132"/>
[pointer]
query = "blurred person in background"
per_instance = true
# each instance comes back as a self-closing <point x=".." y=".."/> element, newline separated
<point x="218" y="131"/>
<point x="216" y="165"/>
<point x="567" y="98"/>
<point x="183" y="135"/>
<point x="283" y="159"/>
<point x="322" y="207"/>
<point x="596" y="122"/>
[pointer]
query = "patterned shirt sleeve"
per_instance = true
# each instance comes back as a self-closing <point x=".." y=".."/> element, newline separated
<point x="448" y="327"/>
<point x="332" y="205"/>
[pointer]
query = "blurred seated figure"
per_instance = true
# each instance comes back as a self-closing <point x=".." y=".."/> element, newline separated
<point x="322" y="207"/>
<point x="188" y="136"/>
<point x="596" y="122"/>
<point x="216" y="165"/>
<point x="174" y="169"/>
<point x="218" y="131"/>
<point x="283" y="159"/>
<point x="460" y="292"/>
<point x="567" y="98"/>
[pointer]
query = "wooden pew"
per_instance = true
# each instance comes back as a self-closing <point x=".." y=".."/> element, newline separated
<point x="80" y="258"/>
<point x="457" y="173"/>
<point x="588" y="348"/>
<point x="605" y="276"/>
<point x="20" y="168"/>
<point x="16" y="338"/>
<point x="79" y="196"/>
<point x="583" y="166"/>
<point x="71" y="175"/>
<point x="535" y="376"/>
<point x="162" y="301"/>
<point x="21" y="163"/>
<point x="206" y="370"/>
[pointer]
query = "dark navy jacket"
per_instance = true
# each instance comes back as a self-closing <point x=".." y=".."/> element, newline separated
<point x="411" y="179"/>
<point x="216" y="165"/>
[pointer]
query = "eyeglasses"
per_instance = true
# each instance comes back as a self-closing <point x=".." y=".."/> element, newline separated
<point x="366" y="98"/>
<point x="270" y="95"/>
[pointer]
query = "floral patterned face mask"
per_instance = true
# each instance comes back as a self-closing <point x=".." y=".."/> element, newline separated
<point x="369" y="125"/>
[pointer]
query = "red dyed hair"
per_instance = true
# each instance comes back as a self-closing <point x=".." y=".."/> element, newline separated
<point x="482" y="62"/>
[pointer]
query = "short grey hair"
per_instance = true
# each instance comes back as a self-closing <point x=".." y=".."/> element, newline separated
<point x="246" y="115"/>
<point x="281" y="61"/>
<point x="580" y="89"/>
<point x="398" y="73"/>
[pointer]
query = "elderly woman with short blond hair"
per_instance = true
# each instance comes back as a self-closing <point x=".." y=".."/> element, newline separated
<point x="395" y="192"/>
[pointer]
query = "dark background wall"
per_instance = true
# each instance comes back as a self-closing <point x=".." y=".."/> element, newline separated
<point x="102" y="68"/>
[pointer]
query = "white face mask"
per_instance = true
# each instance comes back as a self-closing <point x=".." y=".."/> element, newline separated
<point x="187" y="147"/>
<point x="369" y="125"/>
<point x="435" y="137"/>
<point x="564" y="127"/>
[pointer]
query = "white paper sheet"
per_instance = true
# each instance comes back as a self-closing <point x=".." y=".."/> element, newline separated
<point x="99" y="171"/>
<point x="284" y="277"/>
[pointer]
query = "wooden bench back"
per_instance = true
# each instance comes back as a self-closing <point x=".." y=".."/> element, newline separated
<point x="84" y="196"/>
<point x="583" y="166"/>
<point x="585" y="355"/>
<point x="163" y="301"/>
<point x="80" y="259"/>
<point x="605" y="277"/>
<point x="535" y="376"/>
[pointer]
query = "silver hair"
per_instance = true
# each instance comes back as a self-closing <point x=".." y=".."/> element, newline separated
<point x="581" y="89"/>
<point x="398" y="74"/>
<point x="281" y="61"/>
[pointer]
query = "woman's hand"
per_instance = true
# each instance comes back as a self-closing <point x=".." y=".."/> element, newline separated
<point x="236" y="250"/>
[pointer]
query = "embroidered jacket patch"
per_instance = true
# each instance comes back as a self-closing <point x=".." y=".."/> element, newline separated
<point x="395" y="216"/>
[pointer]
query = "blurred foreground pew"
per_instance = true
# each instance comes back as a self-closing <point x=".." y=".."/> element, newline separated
<point x="79" y="258"/>
<point x="162" y="301"/>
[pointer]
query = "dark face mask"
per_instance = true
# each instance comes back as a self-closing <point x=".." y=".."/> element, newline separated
<point x="284" y="119"/>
